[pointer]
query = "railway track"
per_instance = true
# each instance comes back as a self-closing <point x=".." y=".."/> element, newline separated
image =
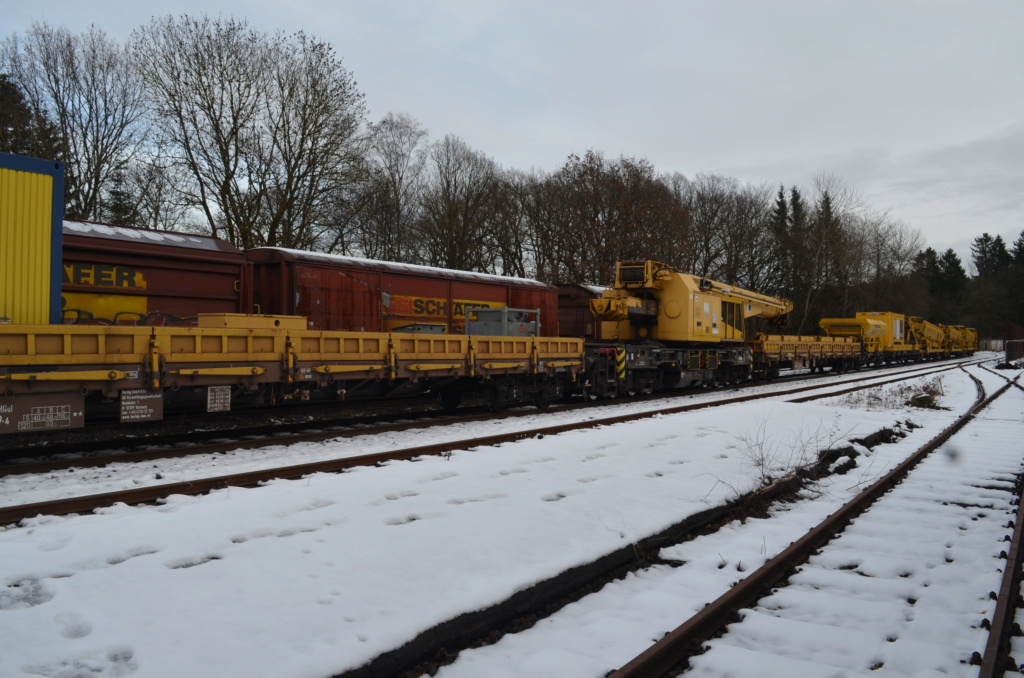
<point x="678" y="648"/>
<point x="675" y="650"/>
<point x="93" y="454"/>
<point x="154" y="493"/>
<point x="701" y="626"/>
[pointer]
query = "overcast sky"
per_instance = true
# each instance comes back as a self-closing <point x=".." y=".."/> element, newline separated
<point x="918" y="105"/>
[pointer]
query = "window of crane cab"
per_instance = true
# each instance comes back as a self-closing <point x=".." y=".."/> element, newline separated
<point x="631" y="274"/>
<point x="732" y="315"/>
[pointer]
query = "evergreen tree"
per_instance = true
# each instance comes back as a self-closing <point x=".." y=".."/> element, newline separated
<point x="23" y="129"/>
<point x="779" y="227"/>
<point x="952" y="276"/>
<point x="1017" y="253"/>
<point x="990" y="256"/>
<point x="119" y="206"/>
<point x="1017" y="280"/>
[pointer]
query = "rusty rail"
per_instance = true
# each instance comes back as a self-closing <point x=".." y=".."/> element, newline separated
<point x="673" y="649"/>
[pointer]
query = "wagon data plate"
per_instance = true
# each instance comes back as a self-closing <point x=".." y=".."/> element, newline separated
<point x="142" y="404"/>
<point x="41" y="412"/>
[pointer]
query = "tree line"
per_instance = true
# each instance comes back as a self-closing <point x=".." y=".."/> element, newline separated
<point x="262" y="139"/>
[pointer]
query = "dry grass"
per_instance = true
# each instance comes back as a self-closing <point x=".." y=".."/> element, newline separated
<point x="881" y="399"/>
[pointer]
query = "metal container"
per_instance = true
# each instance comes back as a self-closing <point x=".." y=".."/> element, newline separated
<point x="127" y="276"/>
<point x="351" y="294"/>
<point x="574" y="316"/>
<point x="31" y="211"/>
<point x="504" y="322"/>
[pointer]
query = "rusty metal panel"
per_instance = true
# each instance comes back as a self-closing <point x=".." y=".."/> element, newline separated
<point x="126" y="276"/>
<point x="351" y="294"/>
<point x="41" y="412"/>
<point x="574" y="316"/>
<point x="31" y="211"/>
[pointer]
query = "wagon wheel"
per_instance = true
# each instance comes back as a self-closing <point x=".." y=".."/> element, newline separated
<point x="497" y="397"/>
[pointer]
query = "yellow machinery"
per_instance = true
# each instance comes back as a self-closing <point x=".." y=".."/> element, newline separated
<point x="651" y="300"/>
<point x="866" y="330"/>
<point x="658" y="327"/>
<point x="929" y="337"/>
<point x="885" y="337"/>
<point x="958" y="340"/>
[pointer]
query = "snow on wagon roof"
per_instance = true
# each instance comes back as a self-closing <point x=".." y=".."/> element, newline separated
<point x="143" y="235"/>
<point x="414" y="269"/>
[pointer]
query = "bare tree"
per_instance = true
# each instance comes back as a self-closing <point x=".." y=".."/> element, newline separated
<point x="890" y="249"/>
<point x="265" y="126"/>
<point x="152" y="180"/>
<point x="547" y="223"/>
<point x="509" y="226"/>
<point x="87" y="83"/>
<point x="458" y="206"/>
<point x="752" y="262"/>
<point x="709" y="198"/>
<point x="594" y="212"/>
<point x="395" y="157"/>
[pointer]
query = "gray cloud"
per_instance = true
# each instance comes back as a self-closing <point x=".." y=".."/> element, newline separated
<point x="918" y="104"/>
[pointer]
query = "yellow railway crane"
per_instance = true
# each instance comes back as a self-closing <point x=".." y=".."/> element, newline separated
<point x="659" y="327"/>
<point x="651" y="300"/>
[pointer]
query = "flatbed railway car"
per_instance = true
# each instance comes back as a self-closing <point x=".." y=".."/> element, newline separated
<point x="348" y="293"/>
<point x="52" y="375"/>
<point x="773" y="352"/>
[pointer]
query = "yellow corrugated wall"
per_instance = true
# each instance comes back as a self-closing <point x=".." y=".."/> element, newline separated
<point x="26" y="217"/>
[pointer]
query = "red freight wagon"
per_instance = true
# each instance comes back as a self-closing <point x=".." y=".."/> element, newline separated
<point x="347" y="293"/>
<point x="574" y="316"/>
<point x="123" y="275"/>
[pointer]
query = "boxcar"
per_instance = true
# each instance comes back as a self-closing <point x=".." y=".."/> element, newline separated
<point x="575" y="318"/>
<point x="131" y="276"/>
<point x="347" y="293"/>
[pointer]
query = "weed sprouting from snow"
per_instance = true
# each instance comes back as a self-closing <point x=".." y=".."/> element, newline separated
<point x="775" y="457"/>
<point x="923" y="394"/>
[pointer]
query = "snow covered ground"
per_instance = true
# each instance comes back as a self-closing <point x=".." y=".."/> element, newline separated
<point x="903" y="591"/>
<point x="313" y="577"/>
